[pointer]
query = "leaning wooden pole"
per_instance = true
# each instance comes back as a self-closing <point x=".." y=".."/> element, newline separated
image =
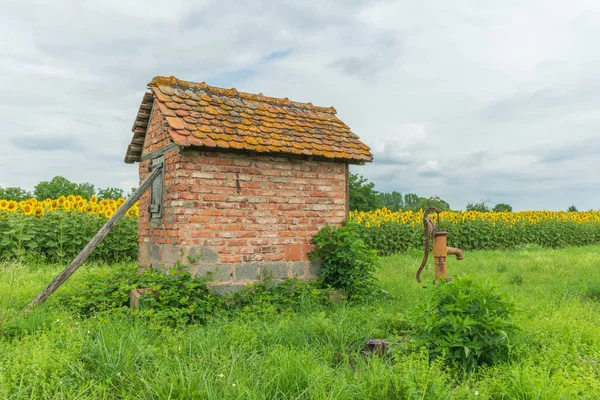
<point x="89" y="248"/>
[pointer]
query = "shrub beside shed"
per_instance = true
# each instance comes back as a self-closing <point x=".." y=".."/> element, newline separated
<point x="247" y="180"/>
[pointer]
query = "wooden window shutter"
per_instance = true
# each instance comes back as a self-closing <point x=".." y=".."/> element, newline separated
<point x="157" y="190"/>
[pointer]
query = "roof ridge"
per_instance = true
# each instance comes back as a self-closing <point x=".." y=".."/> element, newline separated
<point x="233" y="92"/>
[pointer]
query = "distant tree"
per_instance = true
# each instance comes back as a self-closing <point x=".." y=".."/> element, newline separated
<point x="61" y="186"/>
<point x="415" y="202"/>
<point x="392" y="201"/>
<point x="110" y="194"/>
<point x="85" y="190"/>
<point x="14" y="193"/>
<point x="572" y="209"/>
<point x="500" y="207"/>
<point x="363" y="196"/>
<point x="481" y="206"/>
<point x="411" y="201"/>
<point x="433" y="201"/>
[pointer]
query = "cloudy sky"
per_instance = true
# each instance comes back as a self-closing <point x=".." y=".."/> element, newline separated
<point x="497" y="102"/>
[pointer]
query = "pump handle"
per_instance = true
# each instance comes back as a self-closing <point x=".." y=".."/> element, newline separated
<point x="428" y="229"/>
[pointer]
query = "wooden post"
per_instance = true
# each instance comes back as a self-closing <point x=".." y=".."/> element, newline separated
<point x="89" y="248"/>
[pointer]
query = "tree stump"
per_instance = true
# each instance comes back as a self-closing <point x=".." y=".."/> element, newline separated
<point x="135" y="296"/>
<point x="336" y="296"/>
<point x="376" y="346"/>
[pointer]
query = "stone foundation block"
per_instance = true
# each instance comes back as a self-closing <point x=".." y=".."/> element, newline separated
<point x="200" y="254"/>
<point x="300" y="269"/>
<point x="314" y="268"/>
<point x="171" y="255"/>
<point x="218" y="272"/>
<point x="153" y="252"/>
<point x="246" y="272"/>
<point x="275" y="270"/>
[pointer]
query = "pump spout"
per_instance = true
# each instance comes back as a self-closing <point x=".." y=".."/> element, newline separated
<point x="457" y="252"/>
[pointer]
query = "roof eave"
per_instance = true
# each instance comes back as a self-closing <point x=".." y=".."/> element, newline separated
<point x="353" y="161"/>
<point x="139" y="128"/>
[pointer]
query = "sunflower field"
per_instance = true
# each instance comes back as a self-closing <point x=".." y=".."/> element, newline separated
<point x="57" y="229"/>
<point x="392" y="232"/>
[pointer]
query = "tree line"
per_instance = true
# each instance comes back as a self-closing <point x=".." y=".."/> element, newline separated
<point x="61" y="186"/>
<point x="364" y="197"/>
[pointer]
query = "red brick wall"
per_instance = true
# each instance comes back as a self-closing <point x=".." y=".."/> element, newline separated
<point x="254" y="207"/>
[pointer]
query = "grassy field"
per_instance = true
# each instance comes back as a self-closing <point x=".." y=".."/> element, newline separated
<point x="312" y="352"/>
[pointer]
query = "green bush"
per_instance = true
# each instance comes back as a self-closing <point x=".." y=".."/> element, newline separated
<point x="465" y="323"/>
<point x="175" y="296"/>
<point x="347" y="263"/>
<point x="267" y="298"/>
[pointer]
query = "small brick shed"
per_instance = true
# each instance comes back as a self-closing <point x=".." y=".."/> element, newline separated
<point x="247" y="180"/>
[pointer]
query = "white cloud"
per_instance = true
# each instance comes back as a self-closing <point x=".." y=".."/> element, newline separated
<point x="466" y="102"/>
<point x="430" y="168"/>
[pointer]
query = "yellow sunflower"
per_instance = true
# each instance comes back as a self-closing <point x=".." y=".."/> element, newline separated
<point x="3" y="204"/>
<point x="12" y="206"/>
<point x="71" y="198"/>
<point x="94" y="199"/>
<point x="38" y="212"/>
<point x="109" y="213"/>
<point x="27" y="209"/>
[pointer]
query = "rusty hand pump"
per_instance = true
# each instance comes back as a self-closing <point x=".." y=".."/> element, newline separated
<point x="440" y="248"/>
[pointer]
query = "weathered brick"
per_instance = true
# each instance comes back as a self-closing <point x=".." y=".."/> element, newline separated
<point x="199" y="218"/>
<point x="273" y="257"/>
<point x="296" y="252"/>
<point x="230" y="259"/>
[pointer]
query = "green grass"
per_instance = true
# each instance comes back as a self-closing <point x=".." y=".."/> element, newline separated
<point x="312" y="354"/>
